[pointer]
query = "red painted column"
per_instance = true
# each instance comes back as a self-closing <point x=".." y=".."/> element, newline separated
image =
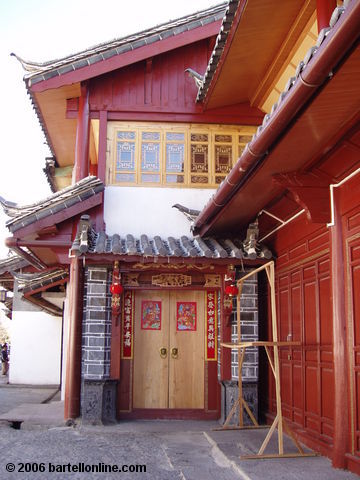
<point x="324" y="10"/>
<point x="339" y="341"/>
<point x="82" y="136"/>
<point x="102" y="145"/>
<point x="73" y="363"/>
<point x="100" y="224"/>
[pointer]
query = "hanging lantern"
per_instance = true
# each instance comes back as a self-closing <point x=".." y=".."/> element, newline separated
<point x="116" y="289"/>
<point x="231" y="290"/>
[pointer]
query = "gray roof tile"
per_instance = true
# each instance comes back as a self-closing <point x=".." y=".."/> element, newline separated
<point x="26" y="215"/>
<point x="186" y="246"/>
<point x="12" y="264"/>
<point x="33" y="281"/>
<point x="40" y="71"/>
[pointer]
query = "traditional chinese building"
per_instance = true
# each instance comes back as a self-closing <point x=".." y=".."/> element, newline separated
<point x="299" y="177"/>
<point x="170" y="117"/>
<point x="145" y="298"/>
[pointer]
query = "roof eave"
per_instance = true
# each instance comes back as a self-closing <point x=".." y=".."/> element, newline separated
<point x="311" y="77"/>
<point x="95" y="65"/>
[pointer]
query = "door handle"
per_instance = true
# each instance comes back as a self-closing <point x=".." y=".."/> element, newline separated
<point x="174" y="352"/>
<point x="163" y="352"/>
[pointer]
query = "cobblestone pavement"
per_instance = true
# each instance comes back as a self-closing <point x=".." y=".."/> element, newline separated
<point x="178" y="455"/>
<point x="186" y="450"/>
<point x="169" y="449"/>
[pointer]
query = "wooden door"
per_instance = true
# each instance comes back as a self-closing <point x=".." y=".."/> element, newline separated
<point x="173" y="321"/>
<point x="186" y="368"/>
<point x="151" y="367"/>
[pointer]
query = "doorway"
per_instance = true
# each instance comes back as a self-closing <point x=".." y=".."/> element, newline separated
<point x="169" y="350"/>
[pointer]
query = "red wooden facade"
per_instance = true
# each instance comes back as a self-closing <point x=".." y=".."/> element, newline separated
<point x="158" y="89"/>
<point x="317" y="267"/>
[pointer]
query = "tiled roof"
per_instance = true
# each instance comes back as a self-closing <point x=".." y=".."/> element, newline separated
<point x="218" y="48"/>
<point x="38" y="72"/>
<point x="28" y="282"/>
<point x="12" y="264"/>
<point x="28" y="214"/>
<point x="94" y="242"/>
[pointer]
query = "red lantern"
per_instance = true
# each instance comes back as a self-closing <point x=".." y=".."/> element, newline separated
<point x="231" y="290"/>
<point x="116" y="289"/>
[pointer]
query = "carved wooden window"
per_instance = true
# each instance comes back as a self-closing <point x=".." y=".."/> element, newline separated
<point x="175" y="158"/>
<point x="199" y="158"/>
<point x="125" y="157"/>
<point x="223" y="155"/>
<point x="150" y="157"/>
<point x="173" y="155"/>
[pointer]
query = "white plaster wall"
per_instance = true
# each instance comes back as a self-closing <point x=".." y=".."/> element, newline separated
<point x="139" y="210"/>
<point x="35" y="343"/>
<point x="35" y="348"/>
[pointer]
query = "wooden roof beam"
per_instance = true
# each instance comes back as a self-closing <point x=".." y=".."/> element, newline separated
<point x="291" y="43"/>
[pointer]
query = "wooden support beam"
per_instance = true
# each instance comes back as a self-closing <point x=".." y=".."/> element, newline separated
<point x="310" y="191"/>
<point x="341" y="420"/>
<point x="82" y="136"/>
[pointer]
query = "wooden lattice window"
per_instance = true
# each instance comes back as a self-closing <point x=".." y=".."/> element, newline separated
<point x="173" y="155"/>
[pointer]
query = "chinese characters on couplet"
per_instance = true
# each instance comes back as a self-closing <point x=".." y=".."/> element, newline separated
<point x="127" y="326"/>
<point x="211" y="326"/>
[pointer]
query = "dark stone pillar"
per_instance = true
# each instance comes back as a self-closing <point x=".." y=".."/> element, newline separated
<point x="98" y="400"/>
<point x="250" y="370"/>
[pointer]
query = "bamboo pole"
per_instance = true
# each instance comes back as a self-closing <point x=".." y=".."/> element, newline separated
<point x="253" y="272"/>
<point x="276" y="358"/>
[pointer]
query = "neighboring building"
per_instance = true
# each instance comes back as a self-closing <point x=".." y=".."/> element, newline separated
<point x="133" y="134"/>
<point x="36" y="325"/>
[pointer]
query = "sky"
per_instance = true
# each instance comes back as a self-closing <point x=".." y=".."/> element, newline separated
<point x="42" y="30"/>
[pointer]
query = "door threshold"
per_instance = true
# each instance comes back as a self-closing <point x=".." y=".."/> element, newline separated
<point x="171" y="414"/>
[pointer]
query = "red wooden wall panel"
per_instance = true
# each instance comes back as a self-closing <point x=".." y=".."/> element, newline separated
<point x="349" y="196"/>
<point x="161" y="82"/>
<point x="158" y="89"/>
<point x="303" y="289"/>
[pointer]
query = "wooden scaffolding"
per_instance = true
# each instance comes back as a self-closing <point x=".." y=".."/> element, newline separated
<point x="279" y="421"/>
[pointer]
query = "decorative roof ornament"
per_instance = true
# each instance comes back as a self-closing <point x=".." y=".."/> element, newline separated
<point x="198" y="78"/>
<point x="29" y="66"/>
<point x="189" y="213"/>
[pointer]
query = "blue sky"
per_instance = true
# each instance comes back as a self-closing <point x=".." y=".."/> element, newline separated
<point x="42" y="30"/>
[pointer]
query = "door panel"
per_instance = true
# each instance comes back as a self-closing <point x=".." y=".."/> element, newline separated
<point x="151" y="371"/>
<point x="186" y="372"/>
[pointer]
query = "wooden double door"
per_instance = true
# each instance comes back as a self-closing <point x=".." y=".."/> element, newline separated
<point x="169" y="350"/>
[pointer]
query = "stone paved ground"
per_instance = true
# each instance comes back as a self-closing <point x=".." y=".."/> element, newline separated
<point x="169" y="449"/>
<point x="167" y="456"/>
<point x="11" y="396"/>
<point x="184" y="450"/>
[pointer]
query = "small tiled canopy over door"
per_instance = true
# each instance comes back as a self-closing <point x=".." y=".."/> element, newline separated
<point x="169" y="350"/>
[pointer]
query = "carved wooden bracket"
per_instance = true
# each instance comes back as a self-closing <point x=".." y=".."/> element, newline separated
<point x="310" y="191"/>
